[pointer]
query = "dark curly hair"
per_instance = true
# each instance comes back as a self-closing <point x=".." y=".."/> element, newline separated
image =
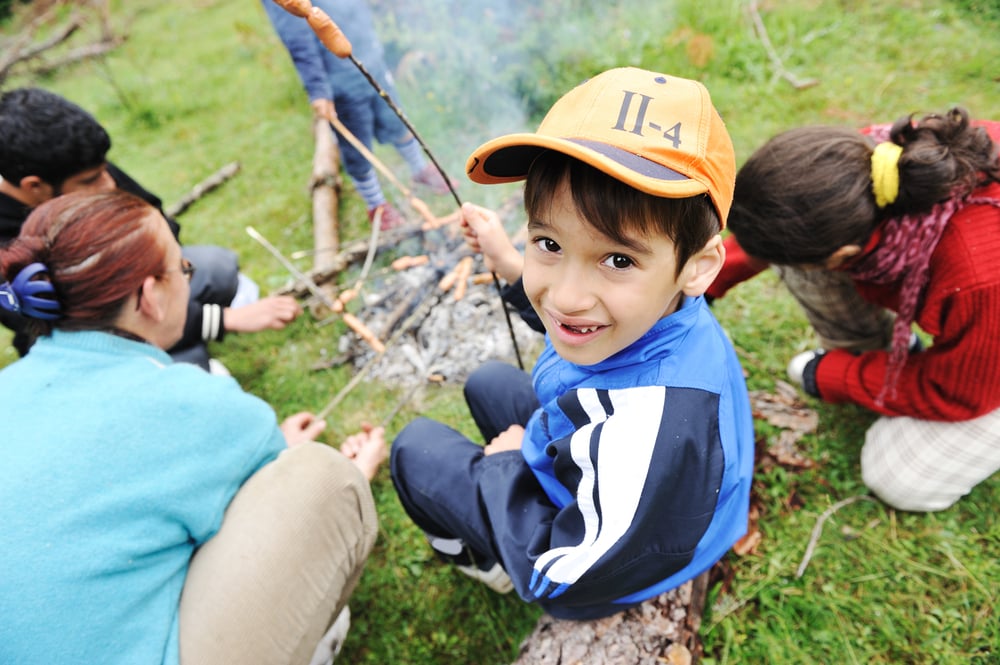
<point x="808" y="192"/>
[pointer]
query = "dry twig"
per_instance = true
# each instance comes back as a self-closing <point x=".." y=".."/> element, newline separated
<point x="818" y="528"/>
<point x="758" y="24"/>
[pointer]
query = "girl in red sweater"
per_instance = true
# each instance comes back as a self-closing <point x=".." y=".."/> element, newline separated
<point x="873" y="232"/>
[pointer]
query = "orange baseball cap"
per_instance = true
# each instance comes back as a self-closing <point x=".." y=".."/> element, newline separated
<point x="655" y="132"/>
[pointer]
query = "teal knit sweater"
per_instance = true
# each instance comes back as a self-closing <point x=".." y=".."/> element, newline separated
<point x="115" y="464"/>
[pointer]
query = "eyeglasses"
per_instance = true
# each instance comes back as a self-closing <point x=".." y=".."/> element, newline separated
<point x="187" y="269"/>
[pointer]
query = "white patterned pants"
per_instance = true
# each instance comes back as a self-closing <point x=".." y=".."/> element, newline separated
<point x="911" y="464"/>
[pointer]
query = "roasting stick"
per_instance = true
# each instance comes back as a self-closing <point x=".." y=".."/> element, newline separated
<point x="334" y="39"/>
<point x="337" y="42"/>
<point x="352" y="321"/>
<point x="416" y="203"/>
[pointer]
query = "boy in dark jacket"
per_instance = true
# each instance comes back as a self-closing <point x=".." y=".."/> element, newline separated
<point x="621" y="468"/>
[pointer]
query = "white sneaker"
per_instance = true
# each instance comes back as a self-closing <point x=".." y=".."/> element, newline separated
<point x="333" y="641"/>
<point x="216" y="367"/>
<point x="495" y="578"/>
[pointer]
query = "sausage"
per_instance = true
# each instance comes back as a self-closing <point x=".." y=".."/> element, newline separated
<point x="463" y="270"/>
<point x="448" y="280"/>
<point x="405" y="262"/>
<point x="363" y="332"/>
<point x="297" y="7"/>
<point x="329" y="33"/>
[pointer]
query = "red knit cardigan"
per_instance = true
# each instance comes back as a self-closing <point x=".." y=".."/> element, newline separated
<point x="958" y="376"/>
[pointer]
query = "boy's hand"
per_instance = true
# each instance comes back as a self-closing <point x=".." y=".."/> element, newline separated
<point x="509" y="439"/>
<point x="484" y="234"/>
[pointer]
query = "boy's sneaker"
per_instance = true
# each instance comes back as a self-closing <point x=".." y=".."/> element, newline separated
<point x="431" y="178"/>
<point x="391" y="218"/>
<point x="495" y="578"/>
<point x="333" y="641"/>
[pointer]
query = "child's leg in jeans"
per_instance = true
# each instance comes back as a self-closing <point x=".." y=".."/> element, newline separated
<point x="290" y="551"/>
<point x="433" y="470"/>
<point x="436" y="469"/>
<point x="841" y="318"/>
<point x="499" y="395"/>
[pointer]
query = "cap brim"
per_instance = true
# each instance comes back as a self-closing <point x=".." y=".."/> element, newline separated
<point x="508" y="159"/>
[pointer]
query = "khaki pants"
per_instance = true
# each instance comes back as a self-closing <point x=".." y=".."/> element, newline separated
<point x="911" y="464"/>
<point x="290" y="551"/>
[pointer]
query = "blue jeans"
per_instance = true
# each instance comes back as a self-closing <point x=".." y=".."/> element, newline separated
<point x="435" y="468"/>
<point x="369" y="118"/>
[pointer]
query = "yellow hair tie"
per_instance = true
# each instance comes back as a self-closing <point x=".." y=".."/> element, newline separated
<point x="885" y="173"/>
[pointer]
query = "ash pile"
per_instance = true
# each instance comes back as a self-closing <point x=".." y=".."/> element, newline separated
<point x="433" y="315"/>
<point x="434" y="334"/>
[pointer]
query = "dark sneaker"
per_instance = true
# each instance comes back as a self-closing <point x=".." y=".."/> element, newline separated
<point x="431" y="178"/>
<point x="390" y="217"/>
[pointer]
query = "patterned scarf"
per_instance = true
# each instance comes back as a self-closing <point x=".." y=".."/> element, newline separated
<point x="903" y="255"/>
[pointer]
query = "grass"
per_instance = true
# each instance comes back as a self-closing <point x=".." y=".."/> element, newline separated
<point x="204" y="83"/>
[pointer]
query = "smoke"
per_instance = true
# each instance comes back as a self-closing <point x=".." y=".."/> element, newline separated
<point x="469" y="71"/>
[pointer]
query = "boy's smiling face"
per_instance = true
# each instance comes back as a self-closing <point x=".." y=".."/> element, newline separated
<point x="594" y="295"/>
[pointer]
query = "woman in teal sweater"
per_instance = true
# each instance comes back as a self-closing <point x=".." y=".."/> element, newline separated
<point x="153" y="512"/>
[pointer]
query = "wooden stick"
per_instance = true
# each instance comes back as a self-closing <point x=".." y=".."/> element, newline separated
<point x="368" y="154"/>
<point x="352" y="321"/>
<point x="202" y="188"/>
<point x="761" y="30"/>
<point x="325" y="190"/>
<point x="428" y="302"/>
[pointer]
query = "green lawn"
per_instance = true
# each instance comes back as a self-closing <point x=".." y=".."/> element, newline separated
<point x="202" y="83"/>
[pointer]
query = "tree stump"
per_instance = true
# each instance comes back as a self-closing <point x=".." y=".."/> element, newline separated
<point x="663" y="630"/>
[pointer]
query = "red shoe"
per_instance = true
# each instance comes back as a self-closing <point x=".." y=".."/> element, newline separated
<point x="431" y="178"/>
<point x="391" y="218"/>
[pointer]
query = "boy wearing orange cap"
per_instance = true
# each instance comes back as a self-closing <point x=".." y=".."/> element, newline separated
<point x="621" y="468"/>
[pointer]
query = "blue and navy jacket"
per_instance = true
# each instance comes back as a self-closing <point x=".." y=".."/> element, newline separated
<point x="642" y="467"/>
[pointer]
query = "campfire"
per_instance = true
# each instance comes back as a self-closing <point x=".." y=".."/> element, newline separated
<point x="431" y="312"/>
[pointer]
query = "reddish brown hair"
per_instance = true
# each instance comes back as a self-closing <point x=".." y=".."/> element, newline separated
<point x="97" y="247"/>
